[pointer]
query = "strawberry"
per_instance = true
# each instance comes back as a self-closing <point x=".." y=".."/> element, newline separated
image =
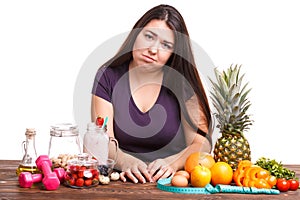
<point x="67" y="176"/>
<point x="79" y="182"/>
<point x="74" y="176"/>
<point x="80" y="174"/>
<point x="95" y="181"/>
<point x="88" y="182"/>
<point x="74" y="168"/>
<point x="99" y="121"/>
<point x="71" y="181"/>
<point x="95" y="173"/>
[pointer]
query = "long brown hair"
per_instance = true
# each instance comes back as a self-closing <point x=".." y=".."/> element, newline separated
<point x="182" y="59"/>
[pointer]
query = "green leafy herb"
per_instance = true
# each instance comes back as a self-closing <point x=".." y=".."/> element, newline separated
<point x="275" y="168"/>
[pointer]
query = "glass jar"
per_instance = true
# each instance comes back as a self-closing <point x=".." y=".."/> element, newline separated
<point x="82" y="172"/>
<point x="64" y="143"/>
<point x="96" y="143"/>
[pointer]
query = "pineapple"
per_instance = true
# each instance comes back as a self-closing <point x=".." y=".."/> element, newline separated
<point x="229" y="97"/>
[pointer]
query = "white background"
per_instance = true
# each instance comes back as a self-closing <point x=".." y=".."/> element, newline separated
<point x="43" y="45"/>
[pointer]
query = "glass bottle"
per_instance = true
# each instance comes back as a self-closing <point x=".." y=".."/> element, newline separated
<point x="28" y="162"/>
<point x="64" y="140"/>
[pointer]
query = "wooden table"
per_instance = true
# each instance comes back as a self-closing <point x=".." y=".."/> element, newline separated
<point x="9" y="189"/>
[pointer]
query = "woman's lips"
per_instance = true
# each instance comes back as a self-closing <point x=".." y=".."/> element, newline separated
<point x="148" y="59"/>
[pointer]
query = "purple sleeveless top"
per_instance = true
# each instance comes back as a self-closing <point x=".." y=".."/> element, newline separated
<point x="154" y="134"/>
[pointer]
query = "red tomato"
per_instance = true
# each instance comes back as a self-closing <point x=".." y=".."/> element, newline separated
<point x="283" y="185"/>
<point x="294" y="184"/>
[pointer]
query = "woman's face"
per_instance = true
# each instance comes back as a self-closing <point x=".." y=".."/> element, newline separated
<point x="153" y="45"/>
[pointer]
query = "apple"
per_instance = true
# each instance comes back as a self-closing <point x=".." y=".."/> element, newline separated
<point x="200" y="176"/>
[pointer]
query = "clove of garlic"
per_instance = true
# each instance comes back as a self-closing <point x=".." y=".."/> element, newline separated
<point x="114" y="176"/>
<point x="104" y="179"/>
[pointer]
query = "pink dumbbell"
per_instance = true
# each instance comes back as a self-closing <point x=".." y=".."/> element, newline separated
<point x="26" y="179"/>
<point x="50" y="180"/>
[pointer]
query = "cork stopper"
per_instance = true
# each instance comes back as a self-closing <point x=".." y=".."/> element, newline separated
<point x="30" y="131"/>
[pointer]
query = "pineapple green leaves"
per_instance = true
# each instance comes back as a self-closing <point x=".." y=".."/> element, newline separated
<point x="229" y="97"/>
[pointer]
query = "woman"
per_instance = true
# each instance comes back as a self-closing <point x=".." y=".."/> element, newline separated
<point x="152" y="94"/>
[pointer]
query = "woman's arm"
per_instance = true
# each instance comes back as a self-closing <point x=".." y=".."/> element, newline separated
<point x="162" y="168"/>
<point x="131" y="167"/>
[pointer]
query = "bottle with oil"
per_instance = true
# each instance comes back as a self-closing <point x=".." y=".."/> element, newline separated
<point x="28" y="162"/>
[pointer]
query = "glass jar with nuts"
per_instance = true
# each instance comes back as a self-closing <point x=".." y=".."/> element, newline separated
<point x="62" y="160"/>
<point x="64" y="144"/>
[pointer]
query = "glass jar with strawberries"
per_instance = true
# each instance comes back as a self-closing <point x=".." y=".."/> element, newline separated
<point x="82" y="172"/>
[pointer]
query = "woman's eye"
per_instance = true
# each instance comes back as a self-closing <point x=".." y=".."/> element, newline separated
<point x="149" y="36"/>
<point x="167" y="46"/>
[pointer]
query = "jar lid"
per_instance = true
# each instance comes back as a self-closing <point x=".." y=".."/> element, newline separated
<point x="83" y="159"/>
<point x="64" y="129"/>
<point x="91" y="126"/>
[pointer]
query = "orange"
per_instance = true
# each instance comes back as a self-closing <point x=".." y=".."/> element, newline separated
<point x="200" y="176"/>
<point x="198" y="158"/>
<point x="221" y="173"/>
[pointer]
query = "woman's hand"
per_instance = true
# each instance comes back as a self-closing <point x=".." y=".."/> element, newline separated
<point x="135" y="170"/>
<point x="161" y="168"/>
